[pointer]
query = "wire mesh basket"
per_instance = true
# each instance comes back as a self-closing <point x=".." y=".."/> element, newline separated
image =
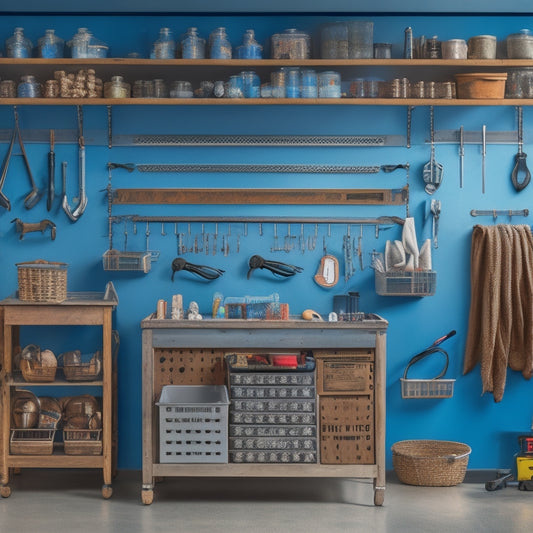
<point x="132" y="261"/>
<point x="402" y="283"/>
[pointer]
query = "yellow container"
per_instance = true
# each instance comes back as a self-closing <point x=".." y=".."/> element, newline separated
<point x="524" y="467"/>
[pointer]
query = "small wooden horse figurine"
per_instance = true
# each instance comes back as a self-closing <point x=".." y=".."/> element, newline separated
<point x="28" y="227"/>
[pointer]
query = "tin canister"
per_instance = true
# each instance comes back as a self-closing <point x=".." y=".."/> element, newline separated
<point x="454" y="49"/>
<point x="482" y="47"/>
<point x="329" y="84"/>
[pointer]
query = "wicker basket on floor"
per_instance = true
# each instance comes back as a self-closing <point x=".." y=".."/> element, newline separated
<point x="42" y="281"/>
<point x="430" y="463"/>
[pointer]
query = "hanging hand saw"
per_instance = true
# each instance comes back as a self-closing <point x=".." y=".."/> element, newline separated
<point x="262" y="196"/>
<point x="260" y="169"/>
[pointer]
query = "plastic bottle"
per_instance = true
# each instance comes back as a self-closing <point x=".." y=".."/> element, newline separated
<point x="50" y="45"/>
<point x="17" y="45"/>
<point x="165" y="46"/>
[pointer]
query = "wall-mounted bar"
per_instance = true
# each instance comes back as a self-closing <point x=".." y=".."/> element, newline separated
<point x="261" y="196"/>
<point x="499" y="212"/>
<point x="349" y="141"/>
<point x="475" y="137"/>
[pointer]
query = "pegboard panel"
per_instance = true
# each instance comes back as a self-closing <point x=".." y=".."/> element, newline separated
<point x="184" y="366"/>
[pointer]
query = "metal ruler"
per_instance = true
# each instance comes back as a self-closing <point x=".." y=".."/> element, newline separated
<point x="262" y="196"/>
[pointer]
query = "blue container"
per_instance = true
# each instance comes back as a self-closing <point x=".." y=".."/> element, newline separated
<point x="292" y="82"/>
<point x="219" y="45"/>
<point x="50" y="46"/>
<point x="28" y="88"/>
<point x="250" y="48"/>
<point x="235" y="87"/>
<point x="192" y="45"/>
<point x="329" y="84"/>
<point x="251" y="84"/>
<point x="165" y="46"/>
<point x="309" y="84"/>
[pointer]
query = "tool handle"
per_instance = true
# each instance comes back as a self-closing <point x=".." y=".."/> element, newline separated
<point x="51" y="175"/>
<point x="440" y="340"/>
<point x="520" y="169"/>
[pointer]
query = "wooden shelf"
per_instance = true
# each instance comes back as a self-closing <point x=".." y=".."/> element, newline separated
<point x="417" y="102"/>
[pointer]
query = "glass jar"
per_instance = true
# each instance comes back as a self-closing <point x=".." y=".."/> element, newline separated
<point x="250" y="48"/>
<point x="28" y="87"/>
<point x="482" y="47"/>
<point x="51" y="89"/>
<point x="277" y="83"/>
<point x="382" y="50"/>
<point x="334" y="41"/>
<point x="50" y="45"/>
<point x="329" y="84"/>
<point x="235" y="87"/>
<point x="117" y="88"/>
<point x="454" y="49"/>
<point x="309" y="84"/>
<point x="360" y="39"/>
<point x="8" y="89"/>
<point x="181" y="89"/>
<point x="520" y="45"/>
<point x="17" y="45"/>
<point x="160" y="89"/>
<point x="192" y="45"/>
<point x="165" y="46"/>
<point x="251" y="84"/>
<point x="219" y="45"/>
<point x="85" y="45"/>
<point x="292" y="82"/>
<point x="291" y="44"/>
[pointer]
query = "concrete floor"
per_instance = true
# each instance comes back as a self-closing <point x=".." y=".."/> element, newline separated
<point x="57" y="501"/>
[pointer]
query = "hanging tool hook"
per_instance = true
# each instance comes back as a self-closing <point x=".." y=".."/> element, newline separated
<point x="520" y="158"/>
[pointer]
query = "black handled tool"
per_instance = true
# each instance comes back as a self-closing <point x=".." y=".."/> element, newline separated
<point x="520" y="167"/>
<point x="51" y="173"/>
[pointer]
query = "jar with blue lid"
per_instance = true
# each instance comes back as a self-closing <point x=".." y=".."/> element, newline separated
<point x="329" y="84"/>
<point x="219" y="44"/>
<point x="50" y="46"/>
<point x="18" y="45"/>
<point x="165" y="46"/>
<point x="251" y="84"/>
<point x="250" y="48"/>
<point x="192" y="45"/>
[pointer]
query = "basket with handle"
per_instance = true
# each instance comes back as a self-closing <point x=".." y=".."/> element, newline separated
<point x="430" y="463"/>
<point x="436" y="387"/>
<point x="42" y="281"/>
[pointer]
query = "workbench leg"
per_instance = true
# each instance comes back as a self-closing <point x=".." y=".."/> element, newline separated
<point x="379" y="494"/>
<point x="147" y="494"/>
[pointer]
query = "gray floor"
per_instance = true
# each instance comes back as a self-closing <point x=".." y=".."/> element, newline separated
<point x="56" y="501"/>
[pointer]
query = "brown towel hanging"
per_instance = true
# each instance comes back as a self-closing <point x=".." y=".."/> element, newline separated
<point x="500" y="328"/>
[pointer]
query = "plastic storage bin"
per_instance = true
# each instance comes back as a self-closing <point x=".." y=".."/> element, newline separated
<point x="193" y="424"/>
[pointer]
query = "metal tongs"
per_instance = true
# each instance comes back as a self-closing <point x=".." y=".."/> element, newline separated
<point x="203" y="271"/>
<point x="276" y="267"/>
<point x="33" y="197"/>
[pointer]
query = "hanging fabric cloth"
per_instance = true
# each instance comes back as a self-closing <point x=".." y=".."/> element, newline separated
<point x="500" y="328"/>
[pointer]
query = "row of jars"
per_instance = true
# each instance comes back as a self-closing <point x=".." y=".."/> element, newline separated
<point x="82" y="45"/>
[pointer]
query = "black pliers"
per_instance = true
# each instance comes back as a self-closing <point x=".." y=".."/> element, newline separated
<point x="278" y="268"/>
<point x="206" y="272"/>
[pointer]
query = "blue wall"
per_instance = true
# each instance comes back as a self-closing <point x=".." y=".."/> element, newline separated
<point x="414" y="322"/>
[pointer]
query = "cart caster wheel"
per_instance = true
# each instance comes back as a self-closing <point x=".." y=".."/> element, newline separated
<point x="107" y="491"/>
<point x="147" y="496"/>
<point x="379" y="497"/>
<point x="5" y="491"/>
<point x="525" y="485"/>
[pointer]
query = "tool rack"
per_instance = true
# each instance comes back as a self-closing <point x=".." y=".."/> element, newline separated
<point x="79" y="309"/>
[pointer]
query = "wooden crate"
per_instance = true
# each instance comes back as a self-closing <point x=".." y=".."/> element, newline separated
<point x="345" y="372"/>
<point x="347" y="430"/>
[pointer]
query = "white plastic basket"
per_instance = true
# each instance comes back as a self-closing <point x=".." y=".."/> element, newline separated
<point x="193" y="424"/>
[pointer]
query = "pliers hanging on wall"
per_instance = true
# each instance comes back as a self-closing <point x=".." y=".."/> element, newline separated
<point x="276" y="267"/>
<point x="203" y="271"/>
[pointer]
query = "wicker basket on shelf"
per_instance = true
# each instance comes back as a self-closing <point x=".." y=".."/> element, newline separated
<point x="33" y="371"/>
<point x="430" y="463"/>
<point x="42" y="281"/>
